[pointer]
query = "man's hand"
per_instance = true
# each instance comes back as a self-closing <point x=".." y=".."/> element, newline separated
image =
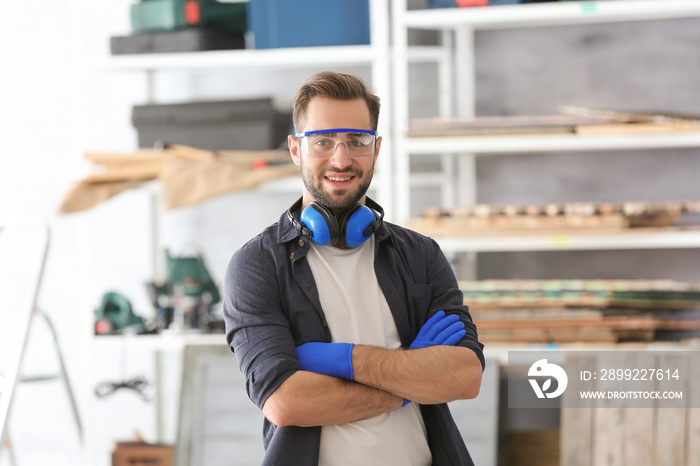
<point x="439" y="330"/>
<point x="334" y="359"/>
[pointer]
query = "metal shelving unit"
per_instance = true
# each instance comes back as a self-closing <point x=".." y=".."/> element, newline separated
<point x="293" y="57"/>
<point x="457" y="155"/>
<point x="458" y="26"/>
<point x="485" y="145"/>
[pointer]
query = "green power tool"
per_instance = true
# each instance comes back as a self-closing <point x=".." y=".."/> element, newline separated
<point x="185" y="300"/>
<point x="114" y="315"/>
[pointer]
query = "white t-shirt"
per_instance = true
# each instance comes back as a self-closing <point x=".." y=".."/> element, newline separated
<point x="357" y="312"/>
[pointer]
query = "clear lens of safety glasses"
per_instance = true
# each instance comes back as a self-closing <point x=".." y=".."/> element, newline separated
<point x="324" y="143"/>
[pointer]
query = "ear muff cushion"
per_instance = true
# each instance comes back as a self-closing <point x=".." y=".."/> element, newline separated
<point x="317" y="220"/>
<point x="358" y="222"/>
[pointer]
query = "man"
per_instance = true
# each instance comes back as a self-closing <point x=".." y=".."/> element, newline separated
<point x="351" y="332"/>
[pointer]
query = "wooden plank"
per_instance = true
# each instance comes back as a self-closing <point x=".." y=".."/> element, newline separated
<point x="524" y="448"/>
<point x="693" y="413"/>
<point x="671" y="425"/>
<point x="638" y="433"/>
<point x="140" y="156"/>
<point x="87" y="195"/>
<point x="141" y="171"/>
<point x="670" y="437"/>
<point x="576" y="423"/>
<point x="615" y="323"/>
<point x="543" y="335"/>
<point x="607" y="437"/>
<point x="608" y="424"/>
<point x="625" y="116"/>
<point x="628" y="128"/>
<point x="467" y="220"/>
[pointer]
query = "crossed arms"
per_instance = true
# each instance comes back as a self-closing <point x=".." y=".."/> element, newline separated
<point x="326" y="391"/>
<point x="264" y="326"/>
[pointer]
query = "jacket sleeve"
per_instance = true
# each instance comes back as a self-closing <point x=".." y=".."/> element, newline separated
<point x="447" y="296"/>
<point x="257" y="329"/>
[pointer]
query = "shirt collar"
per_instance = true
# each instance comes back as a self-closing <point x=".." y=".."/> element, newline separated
<point x="285" y="230"/>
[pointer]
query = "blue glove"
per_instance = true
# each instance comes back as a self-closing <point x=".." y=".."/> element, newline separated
<point x="439" y="330"/>
<point x="334" y="359"/>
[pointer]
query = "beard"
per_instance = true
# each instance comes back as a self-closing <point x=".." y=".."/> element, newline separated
<point x="342" y="199"/>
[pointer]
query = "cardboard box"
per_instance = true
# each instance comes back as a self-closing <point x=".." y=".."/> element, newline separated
<point x="141" y="453"/>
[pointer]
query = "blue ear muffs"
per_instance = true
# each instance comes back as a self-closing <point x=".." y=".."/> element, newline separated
<point x="322" y="223"/>
<point x="353" y="224"/>
<point x="352" y="229"/>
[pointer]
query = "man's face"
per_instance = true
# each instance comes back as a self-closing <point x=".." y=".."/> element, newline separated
<point x="338" y="181"/>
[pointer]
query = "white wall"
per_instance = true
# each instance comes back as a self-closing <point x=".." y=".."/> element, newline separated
<point x="38" y="161"/>
<point x="56" y="104"/>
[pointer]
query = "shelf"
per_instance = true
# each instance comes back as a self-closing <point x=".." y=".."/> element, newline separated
<point x="549" y="143"/>
<point x="427" y="54"/>
<point x="499" y="351"/>
<point x="162" y="342"/>
<point x="244" y="58"/>
<point x="297" y="57"/>
<point x="651" y="238"/>
<point x="550" y="14"/>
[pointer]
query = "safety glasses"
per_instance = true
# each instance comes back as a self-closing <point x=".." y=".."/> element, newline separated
<point x="323" y="143"/>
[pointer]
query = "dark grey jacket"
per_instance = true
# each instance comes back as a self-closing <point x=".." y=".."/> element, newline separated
<point x="271" y="306"/>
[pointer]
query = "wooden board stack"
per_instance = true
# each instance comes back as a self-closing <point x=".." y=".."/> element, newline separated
<point x="581" y="121"/>
<point x="186" y="175"/>
<point x="563" y="311"/>
<point x="522" y="219"/>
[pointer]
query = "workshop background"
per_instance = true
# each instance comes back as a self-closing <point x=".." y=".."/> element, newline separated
<point x="56" y="106"/>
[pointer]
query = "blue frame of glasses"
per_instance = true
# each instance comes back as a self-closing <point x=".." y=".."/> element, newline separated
<point x="335" y="130"/>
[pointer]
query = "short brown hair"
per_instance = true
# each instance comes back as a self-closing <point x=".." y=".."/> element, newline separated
<point x="336" y="86"/>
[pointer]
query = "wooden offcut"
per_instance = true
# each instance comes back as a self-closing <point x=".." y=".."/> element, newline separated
<point x="187" y="175"/>
<point x="526" y="448"/>
<point x="551" y="219"/>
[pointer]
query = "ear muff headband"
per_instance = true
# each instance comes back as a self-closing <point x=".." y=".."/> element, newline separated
<point x="353" y="228"/>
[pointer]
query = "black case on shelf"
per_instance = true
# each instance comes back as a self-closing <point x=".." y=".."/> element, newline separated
<point x="252" y="124"/>
<point x="184" y="40"/>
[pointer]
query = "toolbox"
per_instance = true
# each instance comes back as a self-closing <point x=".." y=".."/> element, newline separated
<point x="169" y="15"/>
<point x="308" y="23"/>
<point x="185" y="40"/>
<point x="251" y="124"/>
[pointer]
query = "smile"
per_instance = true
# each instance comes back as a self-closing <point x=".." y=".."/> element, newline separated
<point x="339" y="178"/>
